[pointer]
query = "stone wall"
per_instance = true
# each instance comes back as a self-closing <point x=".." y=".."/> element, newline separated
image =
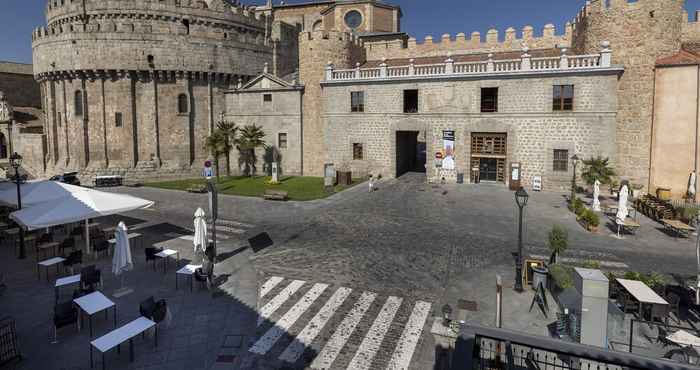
<point x="21" y="90"/>
<point x="639" y="33"/>
<point x="525" y="115"/>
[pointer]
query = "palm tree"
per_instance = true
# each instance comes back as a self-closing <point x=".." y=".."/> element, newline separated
<point x="597" y="168"/>
<point x="558" y="242"/>
<point x="230" y="131"/>
<point x="250" y="138"/>
<point x="217" y="145"/>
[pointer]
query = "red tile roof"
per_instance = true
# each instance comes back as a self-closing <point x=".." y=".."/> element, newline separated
<point x="689" y="54"/>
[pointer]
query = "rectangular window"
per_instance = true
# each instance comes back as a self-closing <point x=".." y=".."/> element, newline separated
<point x="561" y="160"/>
<point x="357" y="101"/>
<point x="410" y="101"/>
<point x="58" y="118"/>
<point x="267" y="98"/>
<point x="357" y="151"/>
<point x="563" y="97"/>
<point x="118" y="120"/>
<point x="489" y="99"/>
<point x="282" y="140"/>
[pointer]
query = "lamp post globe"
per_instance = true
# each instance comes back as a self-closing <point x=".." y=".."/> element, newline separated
<point x="521" y="198"/>
<point x="16" y="163"/>
<point x="574" y="161"/>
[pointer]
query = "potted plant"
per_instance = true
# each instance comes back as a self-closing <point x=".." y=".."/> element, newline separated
<point x="637" y="190"/>
<point x="578" y="207"/>
<point x="558" y="242"/>
<point x="614" y="187"/>
<point x="590" y="220"/>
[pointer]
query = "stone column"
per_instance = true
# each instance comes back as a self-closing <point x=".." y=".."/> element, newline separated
<point x="156" y="118"/>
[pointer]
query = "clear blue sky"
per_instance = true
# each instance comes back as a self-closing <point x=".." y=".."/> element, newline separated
<point x="421" y="18"/>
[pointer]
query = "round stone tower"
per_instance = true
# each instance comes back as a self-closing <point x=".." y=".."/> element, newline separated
<point x="134" y="87"/>
<point x="317" y="50"/>
<point x="639" y="33"/>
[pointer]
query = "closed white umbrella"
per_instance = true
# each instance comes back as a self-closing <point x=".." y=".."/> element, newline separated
<point x="692" y="184"/>
<point x="121" y="262"/>
<point x="200" y="240"/>
<point x="596" y="196"/>
<point x="622" y="211"/>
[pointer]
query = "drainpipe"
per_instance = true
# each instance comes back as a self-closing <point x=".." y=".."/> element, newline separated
<point x="697" y="122"/>
<point x="651" y="141"/>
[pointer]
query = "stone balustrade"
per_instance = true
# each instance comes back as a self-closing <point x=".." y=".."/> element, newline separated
<point x="526" y="64"/>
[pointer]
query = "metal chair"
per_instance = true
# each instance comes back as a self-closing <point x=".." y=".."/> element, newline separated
<point x="89" y="277"/>
<point x="67" y="243"/>
<point x="147" y="307"/>
<point x="74" y="258"/>
<point x="64" y="314"/>
<point x="100" y="246"/>
<point x="674" y="306"/>
<point x="151" y="255"/>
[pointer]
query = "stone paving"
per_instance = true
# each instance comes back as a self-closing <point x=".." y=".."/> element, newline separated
<point x="417" y="243"/>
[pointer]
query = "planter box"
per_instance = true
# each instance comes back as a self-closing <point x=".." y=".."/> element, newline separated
<point x="589" y="228"/>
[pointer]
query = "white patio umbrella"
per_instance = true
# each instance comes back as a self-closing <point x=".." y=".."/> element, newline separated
<point x="622" y="211"/>
<point x="37" y="192"/>
<point x="121" y="262"/>
<point x="596" y="196"/>
<point x="79" y="206"/>
<point x="692" y="184"/>
<point x="200" y="240"/>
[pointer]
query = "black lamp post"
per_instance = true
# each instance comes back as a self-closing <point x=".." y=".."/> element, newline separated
<point x="574" y="161"/>
<point x="16" y="163"/>
<point x="521" y="197"/>
<point x="446" y="313"/>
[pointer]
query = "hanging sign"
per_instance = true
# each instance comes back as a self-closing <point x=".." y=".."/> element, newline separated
<point x="448" y="148"/>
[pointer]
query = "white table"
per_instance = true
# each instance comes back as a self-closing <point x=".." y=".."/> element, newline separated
<point x="112" y="242"/>
<point x="94" y="303"/>
<point x="165" y="254"/>
<point x="118" y="336"/>
<point x="642" y="293"/>
<point x="186" y="271"/>
<point x="65" y="281"/>
<point x="684" y="338"/>
<point x="48" y="263"/>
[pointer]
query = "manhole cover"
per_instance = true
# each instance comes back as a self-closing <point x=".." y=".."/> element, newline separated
<point x="463" y="304"/>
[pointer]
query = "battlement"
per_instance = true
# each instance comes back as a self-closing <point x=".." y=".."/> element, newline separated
<point x="330" y="36"/>
<point x="492" y="42"/>
<point x="209" y="11"/>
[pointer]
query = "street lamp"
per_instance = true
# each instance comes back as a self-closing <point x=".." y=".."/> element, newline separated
<point x="446" y="313"/>
<point x="521" y="197"/>
<point x="16" y="163"/>
<point x="574" y="161"/>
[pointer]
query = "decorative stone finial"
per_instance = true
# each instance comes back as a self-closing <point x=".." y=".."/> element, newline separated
<point x="563" y="51"/>
<point x="240" y="82"/>
<point x="411" y="60"/>
<point x="265" y="68"/>
<point x="525" y="48"/>
<point x="5" y="109"/>
<point x="605" y="44"/>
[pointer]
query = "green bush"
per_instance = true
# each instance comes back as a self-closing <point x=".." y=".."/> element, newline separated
<point x="578" y="206"/>
<point x="589" y="264"/>
<point x="562" y="275"/>
<point x="591" y="218"/>
<point x="687" y="213"/>
<point x="558" y="242"/>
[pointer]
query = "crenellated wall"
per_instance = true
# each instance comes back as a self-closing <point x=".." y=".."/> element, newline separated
<point x="492" y="42"/>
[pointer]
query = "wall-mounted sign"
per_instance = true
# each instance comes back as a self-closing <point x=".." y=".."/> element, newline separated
<point x="448" y="148"/>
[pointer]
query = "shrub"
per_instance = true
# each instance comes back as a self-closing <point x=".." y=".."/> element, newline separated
<point x="589" y="264"/>
<point x="578" y="206"/>
<point x="558" y="242"/>
<point x="591" y="218"/>
<point x="562" y="276"/>
<point x="687" y="213"/>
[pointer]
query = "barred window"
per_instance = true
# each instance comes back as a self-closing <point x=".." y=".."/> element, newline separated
<point x="357" y="101"/>
<point x="563" y="97"/>
<point x="78" y="103"/>
<point x="561" y="160"/>
<point x="267" y="98"/>
<point x="489" y="100"/>
<point x="118" y="119"/>
<point x="357" y="151"/>
<point x="282" y="140"/>
<point x="182" y="104"/>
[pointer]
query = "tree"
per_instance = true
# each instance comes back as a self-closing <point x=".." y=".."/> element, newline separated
<point x="216" y="143"/>
<point x="597" y="168"/>
<point x="250" y="138"/>
<point x="230" y="132"/>
<point x="558" y="242"/>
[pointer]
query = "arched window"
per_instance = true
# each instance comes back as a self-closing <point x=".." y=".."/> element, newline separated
<point x="78" y="103"/>
<point x="182" y="104"/>
<point x="317" y="25"/>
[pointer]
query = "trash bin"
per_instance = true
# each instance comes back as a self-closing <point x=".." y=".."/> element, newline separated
<point x="539" y="275"/>
<point x="460" y="178"/>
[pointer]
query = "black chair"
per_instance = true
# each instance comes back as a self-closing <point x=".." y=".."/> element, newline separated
<point x="674" y="306"/>
<point x="100" y="246"/>
<point x="147" y="307"/>
<point x="202" y="276"/>
<point x="151" y="255"/>
<point x="89" y="277"/>
<point x="64" y="314"/>
<point x="160" y="311"/>
<point x="74" y="258"/>
<point x="67" y="243"/>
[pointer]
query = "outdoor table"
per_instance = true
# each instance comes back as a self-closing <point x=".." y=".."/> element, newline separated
<point x="44" y="247"/>
<point x="113" y="242"/>
<point x="165" y="254"/>
<point x="48" y="263"/>
<point x="643" y="294"/>
<point x="92" y="304"/>
<point x="678" y="227"/>
<point x="186" y="271"/>
<point x="685" y="339"/>
<point x="65" y="281"/>
<point x="118" y="336"/>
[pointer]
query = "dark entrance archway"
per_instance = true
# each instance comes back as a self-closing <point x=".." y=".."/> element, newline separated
<point x="3" y="146"/>
<point x="410" y="153"/>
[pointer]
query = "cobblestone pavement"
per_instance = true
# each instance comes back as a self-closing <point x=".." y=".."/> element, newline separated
<point x="352" y="281"/>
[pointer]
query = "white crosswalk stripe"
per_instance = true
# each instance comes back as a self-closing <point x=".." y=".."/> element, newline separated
<point x="278" y="300"/>
<point x="269" y="284"/>
<point x="325" y="359"/>
<point x="314" y="327"/>
<point x="341" y="318"/>
<point x="403" y="353"/>
<point x="268" y="340"/>
<point x="373" y="340"/>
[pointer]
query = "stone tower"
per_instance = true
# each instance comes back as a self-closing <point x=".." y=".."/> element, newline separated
<point x="316" y="50"/>
<point x="639" y="33"/>
<point x="134" y="87"/>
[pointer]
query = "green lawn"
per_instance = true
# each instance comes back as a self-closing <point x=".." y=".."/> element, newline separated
<point x="298" y="188"/>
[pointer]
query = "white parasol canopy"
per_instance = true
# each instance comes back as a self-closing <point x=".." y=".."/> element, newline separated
<point x="692" y="184"/>
<point x="200" y="240"/>
<point x="121" y="262"/>
<point x="622" y="205"/>
<point x="37" y="192"/>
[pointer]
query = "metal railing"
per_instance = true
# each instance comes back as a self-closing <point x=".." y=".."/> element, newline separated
<point x="490" y="348"/>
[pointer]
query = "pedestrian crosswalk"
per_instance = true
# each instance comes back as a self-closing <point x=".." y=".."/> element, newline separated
<point x="227" y="229"/>
<point x="337" y="328"/>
